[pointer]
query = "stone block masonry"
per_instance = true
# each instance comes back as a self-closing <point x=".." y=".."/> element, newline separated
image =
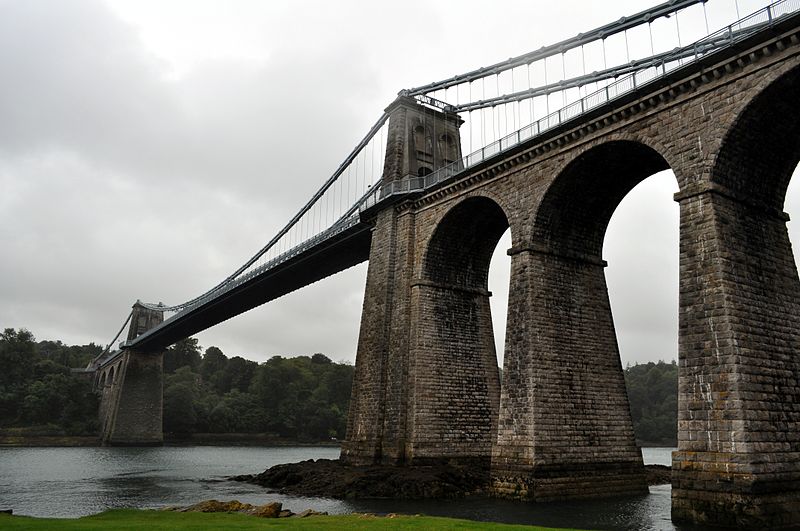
<point x="132" y="400"/>
<point x="558" y="426"/>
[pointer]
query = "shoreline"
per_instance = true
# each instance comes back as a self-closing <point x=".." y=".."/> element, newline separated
<point x="200" y="439"/>
<point x="142" y="518"/>
<point x="196" y="439"/>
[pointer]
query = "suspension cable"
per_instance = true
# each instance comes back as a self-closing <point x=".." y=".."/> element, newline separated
<point x="602" y="32"/>
<point x="122" y="328"/>
<point x="608" y="73"/>
<point x="333" y="179"/>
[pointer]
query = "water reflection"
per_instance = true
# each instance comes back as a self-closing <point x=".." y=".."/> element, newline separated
<point x="70" y="482"/>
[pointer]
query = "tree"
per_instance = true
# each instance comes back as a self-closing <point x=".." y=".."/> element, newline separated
<point x="653" y="395"/>
<point x="184" y="353"/>
<point x="179" y="411"/>
<point x="320" y="359"/>
<point x="212" y="368"/>
<point x="238" y="374"/>
<point x="63" y="400"/>
<point x="17" y="357"/>
<point x="303" y="398"/>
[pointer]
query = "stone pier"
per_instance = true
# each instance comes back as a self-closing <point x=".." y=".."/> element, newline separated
<point x="131" y="404"/>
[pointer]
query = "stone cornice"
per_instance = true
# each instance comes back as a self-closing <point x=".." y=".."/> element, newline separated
<point x="705" y="187"/>
<point x="537" y="248"/>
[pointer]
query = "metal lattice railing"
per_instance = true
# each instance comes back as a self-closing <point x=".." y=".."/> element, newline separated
<point x="724" y="37"/>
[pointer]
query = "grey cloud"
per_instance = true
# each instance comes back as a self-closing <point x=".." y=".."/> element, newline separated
<point x="121" y="180"/>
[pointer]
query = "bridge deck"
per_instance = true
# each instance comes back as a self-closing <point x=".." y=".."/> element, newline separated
<point x="343" y="250"/>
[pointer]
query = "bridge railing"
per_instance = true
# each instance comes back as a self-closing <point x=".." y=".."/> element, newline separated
<point x="724" y="37"/>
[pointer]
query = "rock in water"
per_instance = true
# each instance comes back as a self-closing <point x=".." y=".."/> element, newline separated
<point x="332" y="478"/>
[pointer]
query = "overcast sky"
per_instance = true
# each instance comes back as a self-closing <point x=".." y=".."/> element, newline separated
<point x="148" y="148"/>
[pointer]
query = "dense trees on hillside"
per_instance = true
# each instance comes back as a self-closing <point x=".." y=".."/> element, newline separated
<point x="653" y="394"/>
<point x="37" y="389"/>
<point x="304" y="398"/>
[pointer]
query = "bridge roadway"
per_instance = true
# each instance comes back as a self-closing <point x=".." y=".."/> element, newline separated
<point x="336" y="253"/>
<point x="351" y="246"/>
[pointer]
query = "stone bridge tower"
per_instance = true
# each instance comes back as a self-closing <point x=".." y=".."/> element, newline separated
<point x="419" y="395"/>
<point x="131" y="404"/>
<point x="427" y="385"/>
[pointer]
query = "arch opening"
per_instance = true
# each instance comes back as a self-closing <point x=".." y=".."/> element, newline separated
<point x="641" y="247"/>
<point x="454" y="340"/>
<point x="575" y="212"/>
<point x="761" y="150"/>
<point x="462" y="245"/>
<point x="562" y="350"/>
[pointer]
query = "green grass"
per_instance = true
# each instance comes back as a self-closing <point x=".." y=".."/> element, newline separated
<point x="157" y="520"/>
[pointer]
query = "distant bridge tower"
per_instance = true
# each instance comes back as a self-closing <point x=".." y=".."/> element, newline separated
<point x="131" y="404"/>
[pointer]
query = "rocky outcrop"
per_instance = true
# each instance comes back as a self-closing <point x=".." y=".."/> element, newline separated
<point x="268" y="510"/>
<point x="335" y="479"/>
<point x="332" y="478"/>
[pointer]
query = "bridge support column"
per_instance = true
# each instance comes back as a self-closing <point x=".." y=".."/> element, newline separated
<point x="738" y="458"/>
<point x="376" y="424"/>
<point x="420" y="140"/>
<point x="135" y="409"/>
<point x="132" y="406"/>
<point x="455" y="385"/>
<point x="565" y="429"/>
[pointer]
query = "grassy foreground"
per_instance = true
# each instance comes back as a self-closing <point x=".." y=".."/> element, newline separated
<point x="156" y="520"/>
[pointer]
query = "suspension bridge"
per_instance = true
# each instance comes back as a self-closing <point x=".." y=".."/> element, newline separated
<point x="547" y="143"/>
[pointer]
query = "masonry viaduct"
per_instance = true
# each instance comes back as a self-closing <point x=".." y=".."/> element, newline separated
<point x="558" y="426"/>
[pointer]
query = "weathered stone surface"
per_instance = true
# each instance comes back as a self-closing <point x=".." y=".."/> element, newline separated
<point x="132" y="397"/>
<point x="424" y="387"/>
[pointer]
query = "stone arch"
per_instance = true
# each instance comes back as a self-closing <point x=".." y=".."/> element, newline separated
<point x="111" y="376"/>
<point x="561" y="346"/>
<point x="102" y="380"/>
<point x="455" y="388"/>
<point x="464" y="240"/>
<point x="574" y="212"/>
<point x="761" y="149"/>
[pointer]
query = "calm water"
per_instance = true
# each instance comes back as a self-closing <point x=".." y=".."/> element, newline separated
<point x="71" y="482"/>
